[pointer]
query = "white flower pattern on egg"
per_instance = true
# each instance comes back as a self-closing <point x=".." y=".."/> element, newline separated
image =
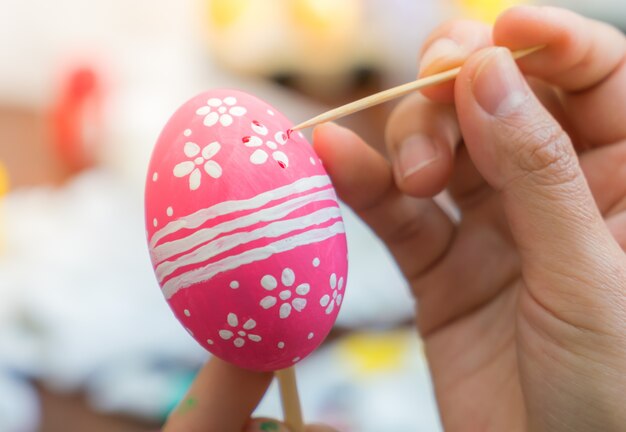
<point x="197" y="158"/>
<point x="284" y="297"/>
<point x="260" y="155"/>
<point x="222" y="111"/>
<point x="239" y="336"/>
<point x="329" y="301"/>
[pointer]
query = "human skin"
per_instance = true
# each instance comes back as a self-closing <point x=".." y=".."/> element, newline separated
<point x="521" y="302"/>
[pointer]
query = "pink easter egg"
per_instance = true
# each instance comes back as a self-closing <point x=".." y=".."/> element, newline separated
<point x="244" y="231"/>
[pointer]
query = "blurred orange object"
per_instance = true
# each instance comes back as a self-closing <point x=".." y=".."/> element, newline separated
<point x="76" y="119"/>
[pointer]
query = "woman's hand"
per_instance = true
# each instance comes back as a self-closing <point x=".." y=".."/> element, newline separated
<point x="522" y="301"/>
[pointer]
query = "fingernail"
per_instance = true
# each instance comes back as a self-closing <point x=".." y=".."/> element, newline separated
<point x="442" y="51"/>
<point x="498" y="85"/>
<point x="414" y="153"/>
<point x="261" y="425"/>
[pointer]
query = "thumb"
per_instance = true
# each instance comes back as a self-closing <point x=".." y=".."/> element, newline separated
<point x="523" y="153"/>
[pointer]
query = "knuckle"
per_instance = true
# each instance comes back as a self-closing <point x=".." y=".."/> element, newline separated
<point x="544" y="152"/>
<point x="406" y="229"/>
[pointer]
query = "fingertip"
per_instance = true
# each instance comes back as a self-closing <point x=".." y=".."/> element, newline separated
<point x="513" y="12"/>
<point x="334" y="145"/>
<point x="558" y="30"/>
<point x="468" y="73"/>
<point x="520" y="15"/>
<point x="324" y="137"/>
<point x="448" y="47"/>
<point x="515" y="26"/>
<point x="206" y="401"/>
<point x="423" y="165"/>
<point x="358" y="172"/>
<point x="441" y="55"/>
<point x="421" y="138"/>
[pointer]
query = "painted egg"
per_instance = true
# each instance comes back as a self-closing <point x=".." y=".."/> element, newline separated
<point x="244" y="231"/>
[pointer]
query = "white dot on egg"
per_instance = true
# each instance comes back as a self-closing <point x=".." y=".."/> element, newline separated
<point x="186" y="312"/>
<point x="312" y="160"/>
<point x="270" y="112"/>
<point x="155" y="176"/>
<point x="296" y="359"/>
<point x="281" y="345"/>
<point x="209" y="341"/>
<point x="187" y="132"/>
<point x="300" y="135"/>
<point x="169" y="211"/>
<point x="155" y="222"/>
<point x="234" y="284"/>
<point x="269" y="282"/>
<point x="310" y="336"/>
<point x="316" y="262"/>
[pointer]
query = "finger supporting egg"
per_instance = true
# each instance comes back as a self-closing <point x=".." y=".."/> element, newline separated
<point x="244" y="231"/>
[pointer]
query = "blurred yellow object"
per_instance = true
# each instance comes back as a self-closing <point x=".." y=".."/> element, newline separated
<point x="278" y="37"/>
<point x="371" y="353"/>
<point x="318" y="15"/>
<point x="224" y="13"/>
<point x="4" y="180"/>
<point x="4" y="189"/>
<point x="487" y="10"/>
<point x="326" y="30"/>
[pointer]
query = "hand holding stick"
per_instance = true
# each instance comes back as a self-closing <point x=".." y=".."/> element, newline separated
<point x="393" y="93"/>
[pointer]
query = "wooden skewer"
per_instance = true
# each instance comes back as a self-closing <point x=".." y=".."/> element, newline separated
<point x="393" y="93"/>
<point x="290" y="399"/>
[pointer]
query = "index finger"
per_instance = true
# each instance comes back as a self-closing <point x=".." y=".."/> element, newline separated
<point x="221" y="399"/>
<point x="447" y="47"/>
<point x="583" y="57"/>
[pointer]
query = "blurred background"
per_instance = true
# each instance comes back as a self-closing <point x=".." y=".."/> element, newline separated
<point x="86" y="341"/>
